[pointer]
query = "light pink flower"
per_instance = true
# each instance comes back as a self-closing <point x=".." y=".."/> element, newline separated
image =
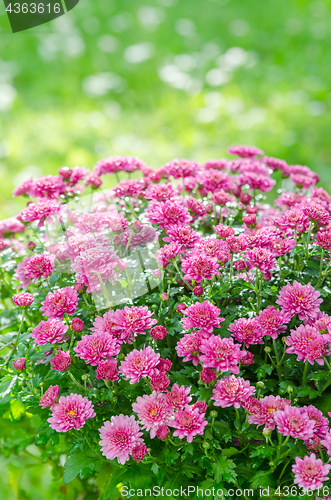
<point x="294" y="422"/>
<point x="245" y="151"/>
<point x="23" y="299"/>
<point x="183" y="235"/>
<point x="316" y="213"/>
<point x="299" y="299"/>
<point x="231" y="391"/>
<point x="118" y="164"/>
<point x="135" y="319"/>
<point x="160" y="192"/>
<point x="188" y="423"/>
<point x="19" y="364"/>
<point x="49" y="331"/>
<point x="307" y="343"/>
<point x="180" y="168"/>
<point x="203" y="315"/>
<point x="310" y="472"/>
<point x="196" y="207"/>
<point x="272" y="321"/>
<point x="23" y="188"/>
<point x="11" y="226"/>
<point x="108" y="324"/>
<point x="188" y="347"/>
<point x="321" y="423"/>
<point x="260" y="258"/>
<point x="95" y="348"/>
<point x="107" y="370"/>
<point x="247" y="331"/>
<point x="168" y="253"/>
<point x="49" y="187"/>
<point x="220" y="353"/>
<point x="199" y="267"/>
<point x="50" y="396"/>
<point x="168" y="213"/>
<point x="119" y="437"/>
<point x="146" y="234"/>
<point x="70" y="412"/>
<point x="219" y="164"/>
<point x="214" y="248"/>
<point x="276" y="164"/>
<point x="139" y="364"/>
<point x="178" y="397"/>
<point x="327" y="441"/>
<point x="265" y="411"/>
<point x="236" y="244"/>
<point x="32" y="268"/>
<point x="324" y="239"/>
<point x="63" y="300"/>
<point x="223" y="231"/>
<point x="287" y="200"/>
<point x="214" y="180"/>
<point x="279" y="246"/>
<point x="293" y="219"/>
<point x="61" y="361"/>
<point x="153" y="411"/>
<point x="40" y="211"/>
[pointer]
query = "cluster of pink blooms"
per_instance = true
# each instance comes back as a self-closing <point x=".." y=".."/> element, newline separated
<point x="171" y="205"/>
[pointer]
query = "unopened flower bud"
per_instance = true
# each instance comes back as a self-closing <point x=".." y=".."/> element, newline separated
<point x="213" y="414"/>
<point x="267" y="349"/>
<point x="181" y="307"/>
<point x="198" y="290"/>
<point x="157" y="273"/>
<point x="165" y="296"/>
<point x="289" y="389"/>
<point x="266" y="432"/>
<point x="19" y="364"/>
<point x="137" y="226"/>
<point x="205" y="445"/>
<point x="84" y="377"/>
<point x="31" y="245"/>
<point x="260" y="384"/>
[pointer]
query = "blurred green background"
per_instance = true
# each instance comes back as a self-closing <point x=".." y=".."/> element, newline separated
<point x="157" y="79"/>
<point x="162" y="79"/>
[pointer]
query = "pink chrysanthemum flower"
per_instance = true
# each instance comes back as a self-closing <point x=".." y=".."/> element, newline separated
<point x="307" y="343"/>
<point x="23" y="299"/>
<point x="327" y="441"/>
<point x="214" y="248"/>
<point x="260" y="258"/>
<point x="247" y="331"/>
<point x="139" y="364"/>
<point x="231" y="391"/>
<point x="310" y="473"/>
<point x="208" y="375"/>
<point x="223" y="231"/>
<point x="160" y="192"/>
<point x="40" y="211"/>
<point x="272" y="321"/>
<point x="50" y="397"/>
<point x="77" y="325"/>
<point x="153" y="411"/>
<point x="158" y="332"/>
<point x="265" y="410"/>
<point x="19" y="364"/>
<point x="119" y="437"/>
<point x="49" y="186"/>
<point x="294" y="422"/>
<point x="245" y="151"/>
<point x="276" y="164"/>
<point x="196" y="207"/>
<point x="32" y="268"/>
<point x="135" y="319"/>
<point x="107" y="370"/>
<point x="323" y="239"/>
<point x="49" y="331"/>
<point x="70" y="412"/>
<point x="23" y="188"/>
<point x="130" y="187"/>
<point x="202" y="315"/>
<point x="321" y="423"/>
<point x="180" y="168"/>
<point x="293" y="219"/>
<point x="299" y="299"/>
<point x="219" y="164"/>
<point x="164" y="365"/>
<point x="108" y="324"/>
<point x="279" y="246"/>
<point x="61" y="361"/>
<point x="159" y="381"/>
<point x="316" y="213"/>
<point x="118" y="164"/>
<point x="95" y="348"/>
<point x="188" y="423"/>
<point x="168" y="213"/>
<point x="168" y="253"/>
<point x="163" y="432"/>
<point x="139" y="452"/>
<point x="214" y="180"/>
<point x="178" y="397"/>
<point x="183" y="235"/>
<point x="11" y="226"/>
<point x="188" y="347"/>
<point x="63" y="300"/>
<point x="220" y="353"/>
<point x="236" y="244"/>
<point x="199" y="267"/>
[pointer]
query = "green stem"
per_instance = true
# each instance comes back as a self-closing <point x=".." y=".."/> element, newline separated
<point x="280" y="269"/>
<point x="231" y="267"/>
<point x="321" y="262"/>
<point x="277" y="358"/>
<point x="186" y="283"/>
<point x="257" y="291"/>
<point x="143" y="268"/>
<point x="308" y="239"/>
<point x="16" y="341"/>
<point x="75" y="381"/>
<point x="304" y="376"/>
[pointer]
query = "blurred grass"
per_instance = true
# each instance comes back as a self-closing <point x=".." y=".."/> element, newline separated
<point x="161" y="79"/>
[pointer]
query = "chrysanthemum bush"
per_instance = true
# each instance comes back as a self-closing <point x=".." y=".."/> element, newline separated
<point x="174" y="330"/>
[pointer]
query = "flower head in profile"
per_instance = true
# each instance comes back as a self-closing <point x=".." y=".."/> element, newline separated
<point x="139" y="364"/>
<point x="307" y="343"/>
<point x="199" y="267"/>
<point x="220" y="353"/>
<point x="167" y="214"/>
<point x="245" y="151"/>
<point x="203" y="315"/>
<point x="19" y="364"/>
<point x="189" y="346"/>
<point x="23" y="299"/>
<point x="32" y="268"/>
<point x="247" y="331"/>
<point x="232" y="391"/>
<point x="135" y="319"/>
<point x="321" y="423"/>
<point x="272" y="321"/>
<point x="264" y="413"/>
<point x="159" y="381"/>
<point x="294" y="422"/>
<point x="188" y="423"/>
<point x="178" y="397"/>
<point x="51" y="331"/>
<point x="95" y="348"/>
<point x="71" y="412"/>
<point x="119" y="437"/>
<point x="61" y="361"/>
<point x="310" y="473"/>
<point x="299" y="299"/>
<point x="50" y="397"/>
<point x="62" y="301"/>
<point x="261" y="258"/>
<point x="153" y="411"/>
<point x="184" y="236"/>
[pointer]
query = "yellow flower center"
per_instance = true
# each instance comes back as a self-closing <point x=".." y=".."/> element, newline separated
<point x="152" y="412"/>
<point x="71" y="412"/>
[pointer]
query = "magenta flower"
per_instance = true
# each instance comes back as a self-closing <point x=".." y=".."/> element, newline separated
<point x="327" y="441"/>
<point x="299" y="299"/>
<point x="95" y="348"/>
<point x="50" y="187"/>
<point x="293" y="219"/>
<point x="168" y="213"/>
<point x="153" y="411"/>
<point x="178" y="397"/>
<point x="321" y="423"/>
<point x="260" y="258"/>
<point x="23" y="299"/>
<point x="107" y="370"/>
<point x="264" y="412"/>
<point x="164" y="365"/>
<point x="23" y="188"/>
<point x="77" y="325"/>
<point x="208" y="375"/>
<point x="203" y="315"/>
<point x="188" y="347"/>
<point x="119" y="437"/>
<point x="231" y="391"/>
<point x="168" y="253"/>
<point x="50" y="396"/>
<point x="61" y="361"/>
<point x="237" y="244"/>
<point x="310" y="472"/>
<point x="272" y="322"/>
<point x="324" y="240"/>
<point x="183" y="235"/>
<point x="180" y="168"/>
<point x="247" y="331"/>
<point x="307" y="343"/>
<point x="223" y="231"/>
<point x="163" y="432"/>
<point x="139" y="364"/>
<point x="40" y="211"/>
<point x="70" y="412"/>
<point x="279" y="247"/>
<point x="135" y="319"/>
<point x="49" y="331"/>
<point x="158" y="332"/>
<point x="199" y="267"/>
<point x="19" y="364"/>
<point x="245" y="151"/>
<point x="188" y="423"/>
<point x="63" y="300"/>
<point x="159" y="381"/>
<point x="118" y="164"/>
<point x="196" y="207"/>
<point x="108" y="324"/>
<point x="139" y="452"/>
<point x="160" y="192"/>
<point x="214" y="248"/>
<point x="220" y="353"/>
<point x="32" y="268"/>
<point x="316" y="213"/>
<point x="294" y="422"/>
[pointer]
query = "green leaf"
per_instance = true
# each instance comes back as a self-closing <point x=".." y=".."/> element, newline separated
<point x="228" y="452"/>
<point x="307" y="391"/>
<point x="223" y="469"/>
<point x="262" y="451"/>
<point x="155" y="468"/>
<point x="264" y="369"/>
<point x="111" y="490"/>
<point x="76" y="463"/>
